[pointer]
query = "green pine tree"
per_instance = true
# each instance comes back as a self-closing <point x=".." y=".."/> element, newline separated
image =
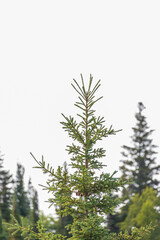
<point x="90" y="197"/>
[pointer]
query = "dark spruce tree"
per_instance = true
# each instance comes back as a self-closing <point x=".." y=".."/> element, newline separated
<point x="139" y="163"/>
<point x="21" y="194"/>
<point x="138" y="167"/>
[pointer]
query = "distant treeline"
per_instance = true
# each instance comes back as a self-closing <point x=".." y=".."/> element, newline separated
<point x="16" y="200"/>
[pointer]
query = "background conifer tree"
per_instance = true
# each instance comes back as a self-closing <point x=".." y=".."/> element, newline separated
<point x="139" y="162"/>
<point x="21" y="194"/>
<point x="139" y="165"/>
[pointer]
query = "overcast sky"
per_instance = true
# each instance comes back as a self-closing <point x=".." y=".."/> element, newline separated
<point x="44" y="45"/>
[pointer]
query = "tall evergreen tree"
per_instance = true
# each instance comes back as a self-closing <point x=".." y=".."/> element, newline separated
<point x="139" y="162"/>
<point x="138" y="167"/>
<point x="21" y="194"/>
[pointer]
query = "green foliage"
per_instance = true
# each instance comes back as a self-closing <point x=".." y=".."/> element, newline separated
<point x="142" y="211"/>
<point x="28" y="232"/>
<point x="4" y="233"/>
<point x="136" y="234"/>
<point x="84" y="194"/>
<point x="63" y="221"/>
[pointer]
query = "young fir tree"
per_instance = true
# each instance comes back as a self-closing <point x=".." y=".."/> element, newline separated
<point x="21" y="194"/>
<point x="139" y="162"/>
<point x="83" y="194"/>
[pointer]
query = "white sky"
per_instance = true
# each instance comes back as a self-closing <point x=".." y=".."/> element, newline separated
<point x="44" y="45"/>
